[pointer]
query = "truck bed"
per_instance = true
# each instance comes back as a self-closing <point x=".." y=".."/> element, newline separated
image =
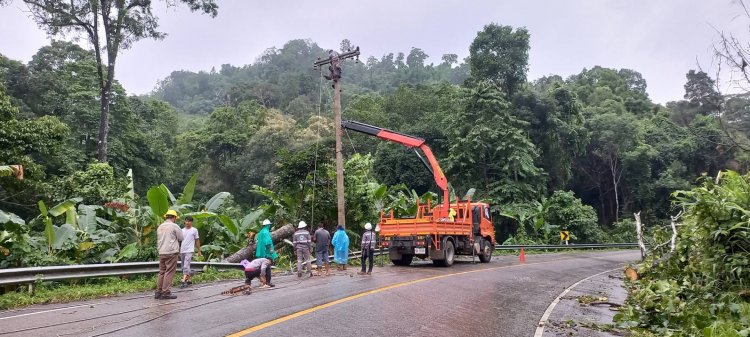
<point x="423" y="226"/>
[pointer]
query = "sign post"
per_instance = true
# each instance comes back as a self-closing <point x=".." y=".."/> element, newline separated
<point x="565" y="236"/>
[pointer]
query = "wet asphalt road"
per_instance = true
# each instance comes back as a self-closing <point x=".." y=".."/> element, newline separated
<point x="502" y="298"/>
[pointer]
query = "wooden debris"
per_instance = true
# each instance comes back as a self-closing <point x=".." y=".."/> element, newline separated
<point x="245" y="289"/>
<point x="631" y="274"/>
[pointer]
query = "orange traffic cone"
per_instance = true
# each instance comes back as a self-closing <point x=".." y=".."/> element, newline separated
<point x="522" y="257"/>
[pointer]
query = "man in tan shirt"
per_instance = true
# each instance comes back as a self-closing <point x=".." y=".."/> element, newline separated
<point x="168" y="238"/>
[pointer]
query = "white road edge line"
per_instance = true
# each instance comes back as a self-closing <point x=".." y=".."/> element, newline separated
<point x="551" y="307"/>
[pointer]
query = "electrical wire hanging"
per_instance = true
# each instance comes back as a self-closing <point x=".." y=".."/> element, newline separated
<point x="317" y="140"/>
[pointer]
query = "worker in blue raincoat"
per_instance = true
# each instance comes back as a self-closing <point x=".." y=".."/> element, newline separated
<point x="340" y="244"/>
<point x="264" y="243"/>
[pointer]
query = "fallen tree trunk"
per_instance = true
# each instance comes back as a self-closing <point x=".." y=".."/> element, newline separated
<point x="249" y="251"/>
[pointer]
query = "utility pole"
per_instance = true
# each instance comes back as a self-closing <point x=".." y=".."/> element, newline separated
<point x="334" y="67"/>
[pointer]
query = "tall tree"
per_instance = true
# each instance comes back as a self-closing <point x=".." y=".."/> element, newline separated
<point x="489" y="148"/>
<point x="110" y="26"/>
<point x="556" y="126"/>
<point x="345" y="45"/>
<point x="701" y="93"/>
<point x="501" y="55"/>
<point x="604" y="86"/>
<point x="450" y="59"/>
<point x="416" y="58"/>
<point x="613" y="136"/>
<point x="31" y="143"/>
<point x="63" y="82"/>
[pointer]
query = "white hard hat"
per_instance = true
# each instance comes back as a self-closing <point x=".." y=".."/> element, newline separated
<point x="266" y="222"/>
<point x="377" y="228"/>
<point x="368" y="226"/>
<point x="302" y="224"/>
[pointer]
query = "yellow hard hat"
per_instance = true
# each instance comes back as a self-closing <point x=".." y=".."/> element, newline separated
<point x="172" y="213"/>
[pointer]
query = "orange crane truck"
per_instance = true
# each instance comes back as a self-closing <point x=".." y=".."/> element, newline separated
<point x="440" y="232"/>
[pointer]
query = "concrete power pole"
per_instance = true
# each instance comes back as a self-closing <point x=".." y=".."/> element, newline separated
<point x="334" y="67"/>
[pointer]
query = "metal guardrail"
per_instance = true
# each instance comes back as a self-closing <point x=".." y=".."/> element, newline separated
<point x="81" y="271"/>
<point x="570" y="246"/>
<point x="69" y="272"/>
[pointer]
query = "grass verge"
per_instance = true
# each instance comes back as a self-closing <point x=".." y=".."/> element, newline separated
<point x="60" y="292"/>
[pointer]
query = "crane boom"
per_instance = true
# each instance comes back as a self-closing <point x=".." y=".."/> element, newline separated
<point x="411" y="142"/>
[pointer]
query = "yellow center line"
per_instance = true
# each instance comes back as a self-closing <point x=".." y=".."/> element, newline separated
<point x="370" y="292"/>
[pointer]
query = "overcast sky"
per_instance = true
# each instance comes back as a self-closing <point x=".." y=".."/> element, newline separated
<point x="660" y="39"/>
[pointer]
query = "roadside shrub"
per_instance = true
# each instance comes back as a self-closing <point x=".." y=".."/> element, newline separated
<point x="701" y="288"/>
<point x="567" y="212"/>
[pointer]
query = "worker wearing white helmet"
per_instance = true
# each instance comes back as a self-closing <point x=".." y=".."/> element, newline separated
<point x="264" y="242"/>
<point x="369" y="239"/>
<point x="302" y="246"/>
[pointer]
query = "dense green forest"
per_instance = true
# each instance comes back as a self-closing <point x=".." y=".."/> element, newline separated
<point x="579" y="153"/>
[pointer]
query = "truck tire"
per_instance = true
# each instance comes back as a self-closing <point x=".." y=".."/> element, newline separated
<point x="450" y="253"/>
<point x="487" y="249"/>
<point x="404" y="261"/>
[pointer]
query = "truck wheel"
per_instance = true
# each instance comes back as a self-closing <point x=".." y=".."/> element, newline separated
<point x="404" y="261"/>
<point x="450" y="252"/>
<point x="487" y="249"/>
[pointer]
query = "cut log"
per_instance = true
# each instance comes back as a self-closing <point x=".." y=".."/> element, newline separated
<point x="631" y="273"/>
<point x="249" y="251"/>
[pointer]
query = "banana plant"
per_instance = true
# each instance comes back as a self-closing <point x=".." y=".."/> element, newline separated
<point x="541" y="225"/>
<point x="281" y="208"/>
<point x="114" y="255"/>
<point x="11" y="229"/>
<point x="379" y="197"/>
<point x="58" y="236"/>
<point x="161" y="199"/>
<point x="226" y="234"/>
<point x="532" y="216"/>
<point x="11" y="222"/>
<point x="238" y="228"/>
<point x="404" y="201"/>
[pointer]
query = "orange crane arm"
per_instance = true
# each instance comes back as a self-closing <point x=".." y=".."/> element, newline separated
<point x="411" y="142"/>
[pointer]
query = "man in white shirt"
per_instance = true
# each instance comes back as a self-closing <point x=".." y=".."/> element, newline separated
<point x="190" y="242"/>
